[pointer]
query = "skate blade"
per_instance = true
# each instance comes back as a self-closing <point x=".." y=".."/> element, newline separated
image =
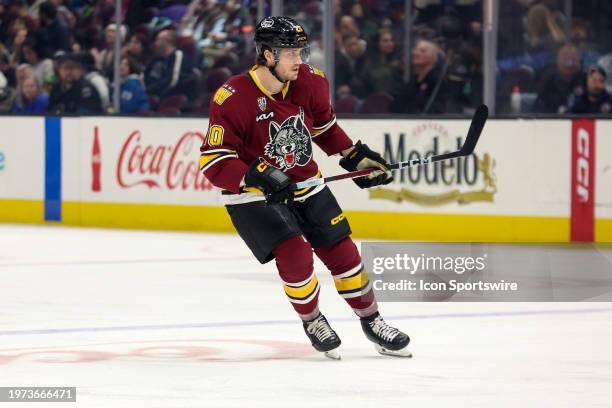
<point x="394" y="353"/>
<point x="333" y="354"/>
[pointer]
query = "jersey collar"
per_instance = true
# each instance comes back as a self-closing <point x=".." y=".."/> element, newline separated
<point x="262" y="89"/>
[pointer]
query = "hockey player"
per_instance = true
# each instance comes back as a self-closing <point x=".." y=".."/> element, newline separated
<point x="259" y="143"/>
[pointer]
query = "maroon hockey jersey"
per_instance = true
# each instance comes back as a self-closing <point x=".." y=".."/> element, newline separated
<point x="246" y="122"/>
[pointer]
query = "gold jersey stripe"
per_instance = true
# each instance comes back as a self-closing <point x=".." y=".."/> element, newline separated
<point x="316" y="131"/>
<point x="362" y="291"/>
<point x="351" y="283"/>
<point x="303" y="291"/>
<point x="207" y="160"/>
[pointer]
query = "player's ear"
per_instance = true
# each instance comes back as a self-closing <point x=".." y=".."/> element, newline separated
<point x="268" y="54"/>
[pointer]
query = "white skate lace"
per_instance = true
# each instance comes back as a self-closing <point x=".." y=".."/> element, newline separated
<point x="383" y="330"/>
<point x="320" y="329"/>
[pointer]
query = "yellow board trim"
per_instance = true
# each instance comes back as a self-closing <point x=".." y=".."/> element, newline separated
<point x="603" y="230"/>
<point x="458" y="227"/>
<point x="147" y="216"/>
<point x="22" y="211"/>
<point x="370" y="225"/>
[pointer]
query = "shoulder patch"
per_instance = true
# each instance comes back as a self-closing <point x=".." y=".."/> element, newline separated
<point x="223" y="93"/>
<point x="316" y="71"/>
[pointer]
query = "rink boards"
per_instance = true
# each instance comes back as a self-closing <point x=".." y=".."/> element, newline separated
<point x="544" y="180"/>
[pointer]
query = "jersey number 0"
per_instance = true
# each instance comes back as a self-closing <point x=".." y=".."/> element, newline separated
<point x="215" y="135"/>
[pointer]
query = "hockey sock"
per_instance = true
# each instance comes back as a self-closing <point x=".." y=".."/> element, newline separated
<point x="295" y="267"/>
<point x="350" y="277"/>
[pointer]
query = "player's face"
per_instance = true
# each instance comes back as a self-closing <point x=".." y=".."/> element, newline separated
<point x="289" y="63"/>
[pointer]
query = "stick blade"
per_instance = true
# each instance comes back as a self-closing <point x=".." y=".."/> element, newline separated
<point x="478" y="122"/>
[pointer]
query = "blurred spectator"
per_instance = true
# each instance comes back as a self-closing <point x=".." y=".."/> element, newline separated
<point x="347" y="26"/>
<point x="30" y="99"/>
<point x="582" y="36"/>
<point x="43" y="67"/>
<point x="106" y="58"/>
<point x="65" y="16"/>
<point x="558" y="84"/>
<point x="21" y="31"/>
<point x="544" y="28"/>
<point x="236" y="27"/>
<point x="87" y="69"/>
<point x="426" y="91"/>
<point x="463" y="49"/>
<point x="383" y="73"/>
<point x="367" y="25"/>
<point x="173" y="12"/>
<point x="204" y="19"/>
<point x="7" y="95"/>
<point x="511" y="40"/>
<point x="596" y="99"/>
<point x="52" y="35"/>
<point x="22" y="72"/>
<point x="72" y="93"/>
<point x="138" y="50"/>
<point x="350" y="65"/>
<point x="220" y="25"/>
<point x="168" y="72"/>
<point x="133" y="98"/>
<point x="7" y="70"/>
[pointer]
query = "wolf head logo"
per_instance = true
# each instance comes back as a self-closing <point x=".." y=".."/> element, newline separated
<point x="290" y="142"/>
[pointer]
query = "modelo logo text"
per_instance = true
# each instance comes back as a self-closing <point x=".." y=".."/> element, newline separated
<point x="459" y="171"/>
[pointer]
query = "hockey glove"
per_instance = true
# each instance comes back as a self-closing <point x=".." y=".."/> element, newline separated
<point x="361" y="157"/>
<point x="276" y="185"/>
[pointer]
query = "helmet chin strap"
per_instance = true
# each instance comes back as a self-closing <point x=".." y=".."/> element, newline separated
<point x="272" y="70"/>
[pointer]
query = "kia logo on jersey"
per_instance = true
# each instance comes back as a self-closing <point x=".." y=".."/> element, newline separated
<point x="289" y="142"/>
<point x="264" y="116"/>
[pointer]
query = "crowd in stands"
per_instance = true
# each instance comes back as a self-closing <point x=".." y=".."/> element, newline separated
<point x="57" y="56"/>
<point x="559" y="64"/>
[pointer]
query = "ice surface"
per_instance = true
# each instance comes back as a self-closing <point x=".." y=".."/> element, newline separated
<point x="158" y="319"/>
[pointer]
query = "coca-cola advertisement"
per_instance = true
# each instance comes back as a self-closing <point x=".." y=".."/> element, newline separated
<point x="144" y="161"/>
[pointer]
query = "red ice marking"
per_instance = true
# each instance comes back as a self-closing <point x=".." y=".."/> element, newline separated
<point x="582" y="227"/>
<point x="223" y="350"/>
<point x="70" y="356"/>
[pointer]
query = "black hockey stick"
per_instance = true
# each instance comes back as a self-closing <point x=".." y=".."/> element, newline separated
<point x="478" y="122"/>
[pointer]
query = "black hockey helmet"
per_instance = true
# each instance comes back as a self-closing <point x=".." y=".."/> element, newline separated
<point x="278" y="32"/>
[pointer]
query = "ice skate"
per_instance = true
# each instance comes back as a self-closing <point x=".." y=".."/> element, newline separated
<point x="387" y="340"/>
<point x="323" y="337"/>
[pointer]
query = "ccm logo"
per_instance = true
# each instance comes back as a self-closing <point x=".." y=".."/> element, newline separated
<point x="264" y="116"/>
<point x="582" y="165"/>
<point x="337" y="219"/>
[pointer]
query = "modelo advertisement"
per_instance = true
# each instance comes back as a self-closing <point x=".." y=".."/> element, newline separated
<point x="508" y="174"/>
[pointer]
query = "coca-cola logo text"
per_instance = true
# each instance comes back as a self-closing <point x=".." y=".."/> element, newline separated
<point x="162" y="166"/>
